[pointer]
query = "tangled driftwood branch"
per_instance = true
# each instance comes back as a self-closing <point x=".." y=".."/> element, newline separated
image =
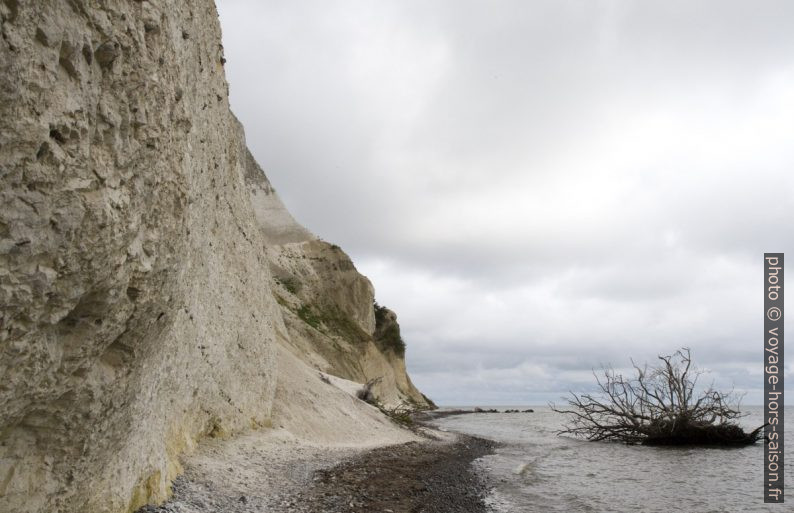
<point x="658" y="405"/>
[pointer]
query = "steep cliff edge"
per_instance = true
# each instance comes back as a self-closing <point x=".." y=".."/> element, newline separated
<point x="327" y="306"/>
<point x="151" y="282"/>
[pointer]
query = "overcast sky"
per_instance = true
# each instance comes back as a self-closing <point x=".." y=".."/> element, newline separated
<point x="535" y="187"/>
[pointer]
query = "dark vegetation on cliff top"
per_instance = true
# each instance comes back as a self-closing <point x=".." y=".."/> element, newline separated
<point x="387" y="331"/>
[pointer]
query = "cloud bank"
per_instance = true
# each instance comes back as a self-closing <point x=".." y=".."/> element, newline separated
<point x="536" y="188"/>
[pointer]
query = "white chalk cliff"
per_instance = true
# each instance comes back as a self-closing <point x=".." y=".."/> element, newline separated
<point x="153" y="288"/>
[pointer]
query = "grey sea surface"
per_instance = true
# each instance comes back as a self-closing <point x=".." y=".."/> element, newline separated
<point x="537" y="470"/>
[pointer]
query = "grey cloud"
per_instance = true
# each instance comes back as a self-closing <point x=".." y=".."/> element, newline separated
<point x="535" y="187"/>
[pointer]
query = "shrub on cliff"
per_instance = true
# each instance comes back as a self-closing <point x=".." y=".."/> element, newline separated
<point x="309" y="317"/>
<point x="387" y="331"/>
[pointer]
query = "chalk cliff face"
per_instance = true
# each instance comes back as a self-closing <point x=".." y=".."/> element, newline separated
<point x="150" y="279"/>
<point x="326" y="305"/>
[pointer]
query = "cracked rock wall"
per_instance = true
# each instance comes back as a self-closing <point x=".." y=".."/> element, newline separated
<point x="150" y="278"/>
<point x="130" y="324"/>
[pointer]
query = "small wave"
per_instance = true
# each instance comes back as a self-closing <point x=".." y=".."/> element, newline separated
<point x="522" y="469"/>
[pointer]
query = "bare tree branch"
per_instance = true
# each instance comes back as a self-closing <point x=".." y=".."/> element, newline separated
<point x="660" y="405"/>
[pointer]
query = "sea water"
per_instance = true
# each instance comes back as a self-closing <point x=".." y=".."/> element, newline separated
<point x="537" y="470"/>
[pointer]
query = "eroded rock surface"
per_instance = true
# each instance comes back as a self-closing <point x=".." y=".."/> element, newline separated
<point x="138" y="311"/>
<point x="129" y="247"/>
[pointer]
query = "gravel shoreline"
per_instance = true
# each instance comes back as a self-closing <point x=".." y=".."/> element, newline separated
<point x="417" y="477"/>
<point x="429" y="476"/>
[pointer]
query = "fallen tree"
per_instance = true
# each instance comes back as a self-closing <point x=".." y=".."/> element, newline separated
<point x="657" y="406"/>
